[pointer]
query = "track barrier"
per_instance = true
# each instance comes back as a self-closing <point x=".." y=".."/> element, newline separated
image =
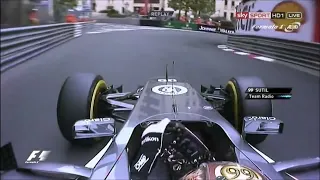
<point x="20" y="44"/>
<point x="305" y="54"/>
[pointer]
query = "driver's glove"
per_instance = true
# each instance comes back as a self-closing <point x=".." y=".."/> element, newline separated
<point x="185" y="151"/>
<point x="152" y="141"/>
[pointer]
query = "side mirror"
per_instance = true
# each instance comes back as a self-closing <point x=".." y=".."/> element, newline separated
<point x="94" y="128"/>
<point x="262" y="125"/>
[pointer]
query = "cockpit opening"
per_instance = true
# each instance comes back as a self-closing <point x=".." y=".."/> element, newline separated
<point x="212" y="135"/>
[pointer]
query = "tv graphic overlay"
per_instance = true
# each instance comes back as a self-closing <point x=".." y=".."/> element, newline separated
<point x="269" y="15"/>
<point x="268" y="93"/>
<point x="286" y="16"/>
<point x="37" y="156"/>
<point x="160" y="13"/>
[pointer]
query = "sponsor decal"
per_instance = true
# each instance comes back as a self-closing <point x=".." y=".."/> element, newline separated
<point x="168" y="25"/>
<point x="207" y="107"/>
<point x="186" y="27"/>
<point x="254" y="118"/>
<point x="206" y="28"/>
<point x="139" y="90"/>
<point x="243" y="22"/>
<point x="237" y="172"/>
<point x="169" y="80"/>
<point x="169" y="90"/>
<point x="227" y="31"/>
<point x="37" y="156"/>
<point x="177" y="167"/>
<point x="293" y="27"/>
<point x="149" y="139"/>
<point x="97" y="119"/>
<point x="110" y="127"/>
<point x="141" y="162"/>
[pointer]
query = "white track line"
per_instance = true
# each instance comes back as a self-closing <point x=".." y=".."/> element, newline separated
<point x="152" y="28"/>
<point x="242" y="53"/>
<point x="264" y="58"/>
<point x="228" y="49"/>
<point x="110" y="30"/>
<point x="222" y="46"/>
<point x="101" y="24"/>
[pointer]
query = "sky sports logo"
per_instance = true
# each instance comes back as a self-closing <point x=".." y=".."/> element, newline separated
<point x="269" y="15"/>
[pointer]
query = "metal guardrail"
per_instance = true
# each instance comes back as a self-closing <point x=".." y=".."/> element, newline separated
<point x="125" y="20"/>
<point x="299" y="53"/>
<point x="23" y="43"/>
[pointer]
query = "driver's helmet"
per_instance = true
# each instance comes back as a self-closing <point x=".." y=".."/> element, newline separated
<point x="223" y="171"/>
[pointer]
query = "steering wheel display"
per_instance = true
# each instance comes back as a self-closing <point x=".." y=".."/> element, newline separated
<point x="184" y="151"/>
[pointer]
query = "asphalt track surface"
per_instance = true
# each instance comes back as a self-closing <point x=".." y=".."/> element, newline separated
<point x="29" y="92"/>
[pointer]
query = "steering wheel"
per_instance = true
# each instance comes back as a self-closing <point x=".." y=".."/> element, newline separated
<point x="183" y="150"/>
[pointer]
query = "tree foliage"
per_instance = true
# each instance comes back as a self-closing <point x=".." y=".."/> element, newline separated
<point x="197" y="6"/>
<point x="174" y="4"/>
<point x="210" y="7"/>
<point x="68" y="3"/>
<point x="61" y="7"/>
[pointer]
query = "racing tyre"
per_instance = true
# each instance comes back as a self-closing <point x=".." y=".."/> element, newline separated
<point x="238" y="107"/>
<point x="78" y="99"/>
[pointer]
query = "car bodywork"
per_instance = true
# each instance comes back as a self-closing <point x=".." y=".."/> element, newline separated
<point x="190" y="107"/>
<point x="112" y="162"/>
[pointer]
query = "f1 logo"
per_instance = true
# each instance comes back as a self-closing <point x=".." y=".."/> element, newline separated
<point x="37" y="156"/>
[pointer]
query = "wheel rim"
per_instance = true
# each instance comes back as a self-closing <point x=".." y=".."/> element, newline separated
<point x="100" y="87"/>
<point x="235" y="105"/>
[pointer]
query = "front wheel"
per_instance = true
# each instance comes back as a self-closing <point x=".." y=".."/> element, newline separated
<point x="78" y="99"/>
<point x="239" y="107"/>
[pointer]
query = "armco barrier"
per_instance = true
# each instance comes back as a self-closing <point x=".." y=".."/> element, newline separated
<point x="187" y="26"/>
<point x="127" y="21"/>
<point x="304" y="54"/>
<point x="23" y="43"/>
<point x="151" y="22"/>
<point x="180" y="25"/>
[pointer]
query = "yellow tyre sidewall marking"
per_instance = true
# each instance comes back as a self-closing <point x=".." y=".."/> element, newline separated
<point x="235" y="104"/>
<point x="101" y="84"/>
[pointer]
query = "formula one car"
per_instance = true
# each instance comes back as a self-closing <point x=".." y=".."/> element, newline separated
<point x="224" y="124"/>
